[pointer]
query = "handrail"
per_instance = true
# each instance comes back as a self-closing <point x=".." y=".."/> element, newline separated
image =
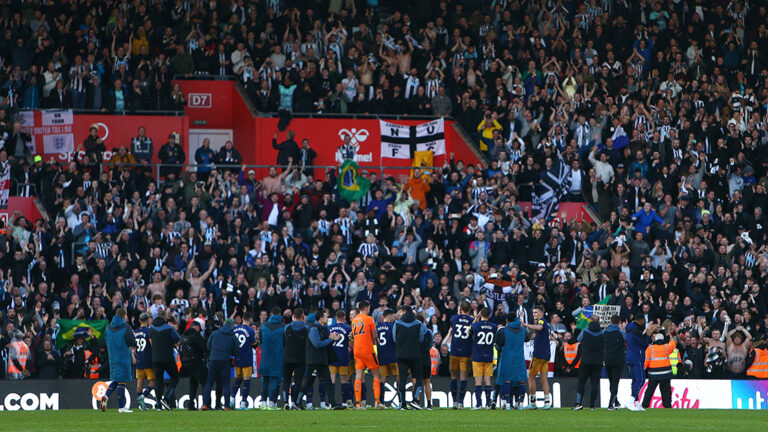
<point x="176" y="113"/>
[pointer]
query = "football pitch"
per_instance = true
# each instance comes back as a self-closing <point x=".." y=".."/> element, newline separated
<point x="441" y="420"/>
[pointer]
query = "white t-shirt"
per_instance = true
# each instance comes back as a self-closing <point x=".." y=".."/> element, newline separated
<point x="272" y="220"/>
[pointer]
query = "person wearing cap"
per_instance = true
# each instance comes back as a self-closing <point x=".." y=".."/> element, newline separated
<point x="171" y="153"/>
<point x="222" y="346"/>
<point x="192" y="353"/>
<point x="658" y="367"/>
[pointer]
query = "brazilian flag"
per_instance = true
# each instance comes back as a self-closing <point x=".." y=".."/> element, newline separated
<point x="67" y="328"/>
<point x="352" y="186"/>
<point x="586" y="313"/>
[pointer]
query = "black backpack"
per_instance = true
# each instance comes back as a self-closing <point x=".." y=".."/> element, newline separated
<point x="187" y="351"/>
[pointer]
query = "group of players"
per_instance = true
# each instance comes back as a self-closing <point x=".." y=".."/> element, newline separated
<point x="400" y="347"/>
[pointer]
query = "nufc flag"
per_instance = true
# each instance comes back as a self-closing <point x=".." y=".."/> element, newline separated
<point x="402" y="142"/>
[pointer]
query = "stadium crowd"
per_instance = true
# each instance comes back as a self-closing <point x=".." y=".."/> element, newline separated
<point x="682" y="201"/>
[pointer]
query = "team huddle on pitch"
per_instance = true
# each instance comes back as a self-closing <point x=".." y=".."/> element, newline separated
<point x="399" y="348"/>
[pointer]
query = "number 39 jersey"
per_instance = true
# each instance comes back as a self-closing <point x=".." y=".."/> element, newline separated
<point x="483" y="335"/>
<point x="143" y="348"/>
<point x="461" y="339"/>
<point x="245" y="339"/>
<point x="341" y="346"/>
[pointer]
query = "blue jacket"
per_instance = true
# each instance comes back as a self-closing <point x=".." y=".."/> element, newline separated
<point x="645" y="220"/>
<point x="222" y="345"/>
<point x="271" y="335"/>
<point x="637" y="342"/>
<point x="119" y="342"/>
<point x="509" y="343"/>
<point x="204" y="159"/>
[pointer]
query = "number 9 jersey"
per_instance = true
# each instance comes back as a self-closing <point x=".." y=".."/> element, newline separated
<point x="245" y="340"/>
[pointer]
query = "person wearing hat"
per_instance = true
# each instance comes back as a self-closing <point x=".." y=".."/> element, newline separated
<point x="658" y="367"/>
<point x="222" y="346"/>
<point x="171" y="153"/>
<point x="192" y="353"/>
<point x="79" y="356"/>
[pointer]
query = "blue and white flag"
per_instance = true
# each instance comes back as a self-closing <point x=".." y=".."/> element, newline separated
<point x="620" y="138"/>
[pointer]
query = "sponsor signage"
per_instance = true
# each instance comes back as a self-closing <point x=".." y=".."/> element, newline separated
<point x="686" y="394"/>
<point x="30" y="395"/>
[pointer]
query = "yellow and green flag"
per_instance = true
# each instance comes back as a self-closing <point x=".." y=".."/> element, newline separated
<point x="352" y="186"/>
<point x="586" y="313"/>
<point x="68" y="327"/>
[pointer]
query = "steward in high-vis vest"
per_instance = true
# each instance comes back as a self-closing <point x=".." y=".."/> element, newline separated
<point x="658" y="369"/>
<point x="572" y="356"/>
<point x="674" y="359"/>
<point x="18" y="356"/>
<point x="757" y="363"/>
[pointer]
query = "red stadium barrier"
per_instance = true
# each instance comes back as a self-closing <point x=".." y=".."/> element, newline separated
<point x="26" y="206"/>
<point x="218" y="105"/>
<point x="117" y="130"/>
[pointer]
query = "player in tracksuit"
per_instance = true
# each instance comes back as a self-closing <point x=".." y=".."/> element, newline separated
<point x="409" y="334"/>
<point x="638" y="339"/>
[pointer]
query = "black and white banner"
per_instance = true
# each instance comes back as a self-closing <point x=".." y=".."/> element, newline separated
<point x="401" y="141"/>
<point x="548" y="192"/>
<point x="5" y="185"/>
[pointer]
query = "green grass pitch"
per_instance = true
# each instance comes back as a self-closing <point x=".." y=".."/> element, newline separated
<point x="443" y="420"/>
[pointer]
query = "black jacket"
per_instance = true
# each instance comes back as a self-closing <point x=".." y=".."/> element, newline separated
<point x="317" y="343"/>
<point x="409" y="335"/>
<point x="615" y="346"/>
<point x="296" y="342"/>
<point x="192" y="347"/>
<point x="592" y="345"/>
<point x="163" y="338"/>
<point x="284" y="150"/>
